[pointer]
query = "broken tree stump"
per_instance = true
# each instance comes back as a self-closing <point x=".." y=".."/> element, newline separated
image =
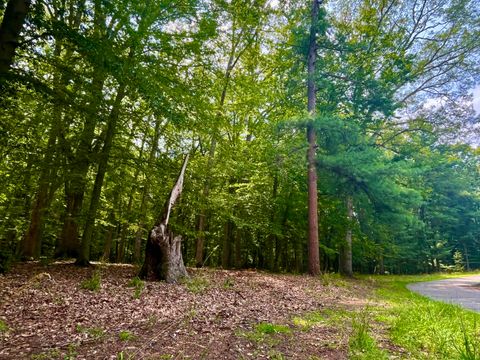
<point x="163" y="253"/>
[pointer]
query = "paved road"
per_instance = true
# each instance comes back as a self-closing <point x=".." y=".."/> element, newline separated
<point x="461" y="291"/>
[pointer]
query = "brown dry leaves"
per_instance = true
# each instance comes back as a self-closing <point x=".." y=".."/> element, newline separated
<point x="50" y="316"/>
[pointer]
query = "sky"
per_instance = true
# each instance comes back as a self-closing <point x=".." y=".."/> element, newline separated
<point x="476" y="99"/>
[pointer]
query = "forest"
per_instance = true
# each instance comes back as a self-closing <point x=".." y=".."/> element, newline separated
<point x="322" y="136"/>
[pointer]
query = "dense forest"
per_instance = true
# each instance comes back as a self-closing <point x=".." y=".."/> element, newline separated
<point x="322" y="135"/>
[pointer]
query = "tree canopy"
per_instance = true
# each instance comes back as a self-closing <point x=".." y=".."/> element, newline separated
<point x="101" y="101"/>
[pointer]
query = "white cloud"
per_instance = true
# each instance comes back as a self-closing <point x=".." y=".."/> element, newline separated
<point x="476" y="99"/>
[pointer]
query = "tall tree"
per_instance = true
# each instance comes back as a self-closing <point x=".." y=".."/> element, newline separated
<point x="313" y="246"/>
<point x="10" y="29"/>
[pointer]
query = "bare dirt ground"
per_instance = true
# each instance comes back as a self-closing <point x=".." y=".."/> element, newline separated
<point x="211" y="316"/>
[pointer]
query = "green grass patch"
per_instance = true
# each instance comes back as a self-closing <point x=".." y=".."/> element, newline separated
<point x="94" y="332"/>
<point x="427" y="329"/>
<point x="93" y="283"/>
<point x="334" y="279"/>
<point x="361" y="344"/>
<point x="309" y="320"/>
<point x="268" y="328"/>
<point x="125" y="335"/>
<point x="3" y="326"/>
<point x="264" y="331"/>
<point x="138" y="284"/>
<point x="197" y="284"/>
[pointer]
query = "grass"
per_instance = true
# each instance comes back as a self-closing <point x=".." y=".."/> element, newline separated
<point x="334" y="279"/>
<point x="197" y="284"/>
<point x="94" y="332"/>
<point x="263" y="331"/>
<point x="138" y="284"/>
<point x="361" y="344"/>
<point x="309" y="320"/>
<point x="125" y="335"/>
<point x="93" y="283"/>
<point x="57" y="354"/>
<point x="426" y="329"/>
<point x="3" y="326"/>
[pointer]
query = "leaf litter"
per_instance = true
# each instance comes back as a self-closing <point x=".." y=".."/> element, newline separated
<point x="50" y="315"/>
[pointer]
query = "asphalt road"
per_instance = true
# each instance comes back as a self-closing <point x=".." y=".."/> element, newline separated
<point x="463" y="291"/>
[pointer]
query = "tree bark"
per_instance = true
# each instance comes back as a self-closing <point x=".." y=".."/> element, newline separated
<point x="31" y="243"/>
<point x="313" y="246"/>
<point x="163" y="255"/>
<point x="10" y="29"/>
<point x="345" y="259"/>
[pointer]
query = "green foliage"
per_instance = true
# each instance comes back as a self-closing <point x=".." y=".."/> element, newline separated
<point x="228" y="283"/>
<point x="93" y="283"/>
<point x="268" y="328"/>
<point x="197" y="284"/>
<point x="458" y="261"/>
<point x="361" y="344"/>
<point x="125" y="335"/>
<point x="420" y="325"/>
<point x="3" y="326"/>
<point x="5" y="261"/>
<point x="70" y="354"/>
<point x="122" y="355"/>
<point x="307" y="321"/>
<point x="226" y="82"/>
<point x="138" y="284"/>
<point x="265" y="332"/>
<point x="94" y="332"/>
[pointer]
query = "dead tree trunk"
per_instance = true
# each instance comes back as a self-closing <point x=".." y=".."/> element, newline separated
<point x="163" y="255"/>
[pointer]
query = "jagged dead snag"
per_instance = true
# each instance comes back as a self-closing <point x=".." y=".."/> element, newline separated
<point x="163" y="255"/>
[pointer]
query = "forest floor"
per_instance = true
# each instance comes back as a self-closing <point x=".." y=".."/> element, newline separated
<point x="49" y="312"/>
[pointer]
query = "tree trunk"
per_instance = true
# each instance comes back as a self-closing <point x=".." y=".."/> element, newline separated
<point x="238" y="248"/>
<point x="345" y="259"/>
<point x="272" y="238"/>
<point x="313" y="249"/>
<point x="84" y="256"/>
<point x="10" y="29"/>
<point x="227" y="244"/>
<point x="31" y="243"/>
<point x="467" y="259"/>
<point x="163" y="255"/>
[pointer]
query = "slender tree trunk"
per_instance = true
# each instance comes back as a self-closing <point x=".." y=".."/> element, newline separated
<point x="467" y="259"/>
<point x="313" y="245"/>
<point x="227" y="244"/>
<point x="10" y="29"/>
<point x="381" y="265"/>
<point x="32" y="240"/>
<point x="272" y="238"/>
<point x="84" y="256"/>
<point x="345" y="259"/>
<point x="238" y="248"/>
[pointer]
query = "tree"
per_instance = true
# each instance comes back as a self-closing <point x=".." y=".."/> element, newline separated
<point x="163" y="255"/>
<point x="10" y="30"/>
<point x="313" y="249"/>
